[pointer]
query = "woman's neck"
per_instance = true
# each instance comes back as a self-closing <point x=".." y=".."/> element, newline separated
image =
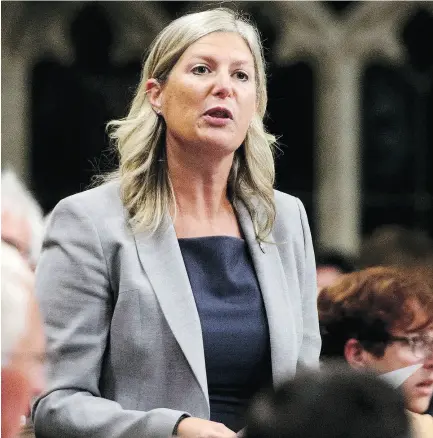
<point x="200" y="184"/>
<point x="202" y="204"/>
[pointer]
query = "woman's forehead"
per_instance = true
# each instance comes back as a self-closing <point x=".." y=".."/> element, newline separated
<point x="229" y="46"/>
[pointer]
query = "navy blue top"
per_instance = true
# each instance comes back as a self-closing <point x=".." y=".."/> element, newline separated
<point x="234" y="324"/>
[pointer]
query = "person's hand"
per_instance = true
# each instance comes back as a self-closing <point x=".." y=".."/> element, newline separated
<point x="192" y="427"/>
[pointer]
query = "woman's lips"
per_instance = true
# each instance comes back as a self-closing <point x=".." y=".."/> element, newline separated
<point x="217" y="121"/>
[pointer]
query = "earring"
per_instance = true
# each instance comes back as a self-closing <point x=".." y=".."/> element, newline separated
<point x="158" y="111"/>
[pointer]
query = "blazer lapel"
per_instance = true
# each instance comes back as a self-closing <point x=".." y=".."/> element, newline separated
<point x="162" y="261"/>
<point x="276" y="296"/>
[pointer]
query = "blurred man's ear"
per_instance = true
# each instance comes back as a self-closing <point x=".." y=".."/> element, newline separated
<point x="355" y="354"/>
<point x="14" y="401"/>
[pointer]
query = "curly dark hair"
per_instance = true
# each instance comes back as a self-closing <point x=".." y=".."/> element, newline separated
<point x="367" y="305"/>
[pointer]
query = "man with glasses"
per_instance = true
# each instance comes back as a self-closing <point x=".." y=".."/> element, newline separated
<point x="22" y="341"/>
<point x="381" y="319"/>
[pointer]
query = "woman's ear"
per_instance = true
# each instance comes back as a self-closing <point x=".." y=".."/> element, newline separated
<point x="355" y="354"/>
<point x="154" y="93"/>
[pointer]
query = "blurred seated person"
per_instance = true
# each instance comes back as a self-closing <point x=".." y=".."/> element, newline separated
<point x="394" y="245"/>
<point x="22" y="341"/>
<point x="381" y="319"/>
<point x="330" y="265"/>
<point x="22" y="223"/>
<point x="329" y="404"/>
<point x="22" y="226"/>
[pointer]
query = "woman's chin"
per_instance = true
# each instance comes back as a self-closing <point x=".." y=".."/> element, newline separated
<point x="219" y="146"/>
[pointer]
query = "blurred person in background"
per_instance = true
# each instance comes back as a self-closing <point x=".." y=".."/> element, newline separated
<point x="329" y="404"/>
<point x="394" y="245"/>
<point x="330" y="265"/>
<point x="381" y="319"/>
<point x="22" y="227"/>
<point x="22" y="341"/>
<point x="177" y="289"/>
<point x="22" y="222"/>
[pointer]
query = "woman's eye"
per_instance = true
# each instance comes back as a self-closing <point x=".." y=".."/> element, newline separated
<point x="241" y="75"/>
<point x="200" y="69"/>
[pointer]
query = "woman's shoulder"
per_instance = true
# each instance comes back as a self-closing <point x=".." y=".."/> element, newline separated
<point x="103" y="201"/>
<point x="284" y="200"/>
<point x="290" y="219"/>
<point x="288" y="207"/>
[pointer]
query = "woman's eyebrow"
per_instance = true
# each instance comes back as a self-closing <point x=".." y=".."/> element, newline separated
<point x="213" y="60"/>
<point x="243" y="63"/>
<point x="208" y="59"/>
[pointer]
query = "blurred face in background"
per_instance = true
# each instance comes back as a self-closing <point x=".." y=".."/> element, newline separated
<point x="23" y="377"/>
<point x="410" y="347"/>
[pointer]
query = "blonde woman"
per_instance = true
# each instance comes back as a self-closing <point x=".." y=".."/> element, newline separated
<point x="174" y="291"/>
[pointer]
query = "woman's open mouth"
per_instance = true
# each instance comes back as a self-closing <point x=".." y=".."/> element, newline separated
<point x="218" y="116"/>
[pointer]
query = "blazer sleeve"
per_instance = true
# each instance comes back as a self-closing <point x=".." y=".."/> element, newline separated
<point x="311" y="341"/>
<point x="72" y="284"/>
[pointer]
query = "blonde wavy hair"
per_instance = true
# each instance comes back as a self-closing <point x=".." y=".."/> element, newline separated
<point x="146" y="190"/>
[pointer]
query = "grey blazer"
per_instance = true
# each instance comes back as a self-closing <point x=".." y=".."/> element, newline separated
<point x="123" y="327"/>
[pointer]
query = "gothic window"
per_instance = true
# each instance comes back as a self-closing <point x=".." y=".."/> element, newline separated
<point x="291" y="118"/>
<point x="397" y="134"/>
<point x="71" y="105"/>
<point x="290" y="112"/>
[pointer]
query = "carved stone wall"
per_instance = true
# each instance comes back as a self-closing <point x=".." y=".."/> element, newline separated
<point x="337" y="46"/>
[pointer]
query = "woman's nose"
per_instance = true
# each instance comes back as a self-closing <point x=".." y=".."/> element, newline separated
<point x="223" y="86"/>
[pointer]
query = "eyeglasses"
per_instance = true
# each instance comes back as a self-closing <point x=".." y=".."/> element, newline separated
<point x="421" y="346"/>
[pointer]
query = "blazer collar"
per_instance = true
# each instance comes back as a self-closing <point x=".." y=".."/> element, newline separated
<point x="276" y="297"/>
<point x="162" y="261"/>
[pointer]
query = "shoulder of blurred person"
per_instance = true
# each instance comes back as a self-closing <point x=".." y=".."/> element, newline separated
<point x="333" y="402"/>
<point x="22" y="217"/>
<point x="22" y="337"/>
<point x="422" y="425"/>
